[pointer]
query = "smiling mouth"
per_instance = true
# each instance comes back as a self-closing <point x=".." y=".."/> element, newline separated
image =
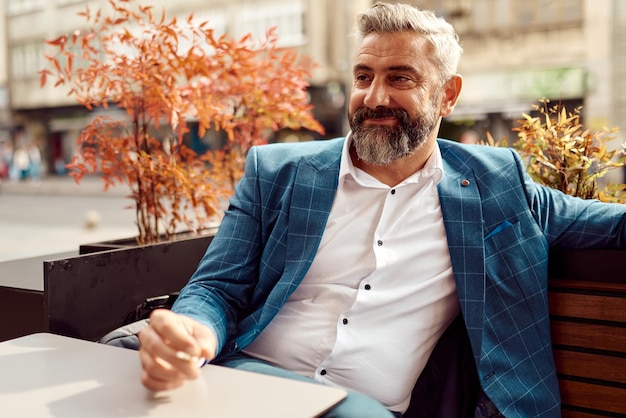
<point x="388" y="121"/>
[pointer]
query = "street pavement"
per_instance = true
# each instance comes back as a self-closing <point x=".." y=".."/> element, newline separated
<point x="60" y="185"/>
<point x="54" y="215"/>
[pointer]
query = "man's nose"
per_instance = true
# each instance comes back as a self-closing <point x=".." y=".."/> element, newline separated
<point x="376" y="95"/>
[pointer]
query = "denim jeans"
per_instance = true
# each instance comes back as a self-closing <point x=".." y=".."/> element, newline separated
<point x="355" y="405"/>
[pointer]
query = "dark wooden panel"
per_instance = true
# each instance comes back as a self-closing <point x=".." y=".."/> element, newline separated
<point x="604" y="398"/>
<point x="593" y="265"/>
<point x="21" y="311"/>
<point x="588" y="335"/>
<point x="591" y="286"/>
<point x="593" y="366"/>
<point x="607" y="308"/>
<point x="576" y="414"/>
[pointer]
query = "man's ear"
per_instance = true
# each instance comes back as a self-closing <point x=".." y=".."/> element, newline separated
<point x="451" y="91"/>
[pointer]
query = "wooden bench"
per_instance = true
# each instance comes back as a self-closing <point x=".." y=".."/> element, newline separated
<point x="588" y="322"/>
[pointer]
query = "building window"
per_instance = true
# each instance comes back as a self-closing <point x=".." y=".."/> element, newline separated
<point x="64" y="2"/>
<point x="483" y="16"/>
<point x="24" y="6"/>
<point x="286" y="17"/>
<point x="216" y="20"/>
<point x="571" y="10"/>
<point x="26" y="60"/>
<point x="548" y="12"/>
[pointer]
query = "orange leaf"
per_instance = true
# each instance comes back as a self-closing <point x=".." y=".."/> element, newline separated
<point x="61" y="40"/>
<point x="43" y="77"/>
<point x="57" y="66"/>
<point x="75" y="36"/>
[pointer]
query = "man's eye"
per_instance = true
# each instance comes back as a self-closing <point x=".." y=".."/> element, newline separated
<point x="399" y="78"/>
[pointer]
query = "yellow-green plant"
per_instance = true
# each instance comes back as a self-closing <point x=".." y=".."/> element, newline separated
<point x="563" y="154"/>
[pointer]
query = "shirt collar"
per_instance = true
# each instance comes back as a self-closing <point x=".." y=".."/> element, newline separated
<point x="433" y="169"/>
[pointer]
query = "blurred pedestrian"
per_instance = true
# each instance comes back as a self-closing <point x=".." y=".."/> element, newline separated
<point x="6" y="156"/>
<point x="21" y="163"/>
<point x="34" y="155"/>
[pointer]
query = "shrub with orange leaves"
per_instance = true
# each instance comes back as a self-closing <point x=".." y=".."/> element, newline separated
<point x="164" y="73"/>
<point x="563" y="154"/>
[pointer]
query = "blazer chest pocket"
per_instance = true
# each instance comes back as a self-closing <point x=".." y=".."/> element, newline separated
<point x="505" y="255"/>
<point x="503" y="236"/>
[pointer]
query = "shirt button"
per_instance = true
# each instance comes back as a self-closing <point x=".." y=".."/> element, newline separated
<point x="380" y="243"/>
<point x="368" y="287"/>
<point x="465" y="182"/>
<point x="393" y="191"/>
<point x="323" y="372"/>
<point x="345" y="321"/>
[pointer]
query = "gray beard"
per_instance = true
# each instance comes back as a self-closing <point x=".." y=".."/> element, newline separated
<point x="381" y="145"/>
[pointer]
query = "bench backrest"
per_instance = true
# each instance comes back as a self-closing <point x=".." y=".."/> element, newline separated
<point x="588" y="321"/>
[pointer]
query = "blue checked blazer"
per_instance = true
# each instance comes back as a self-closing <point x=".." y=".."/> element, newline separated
<point x="499" y="224"/>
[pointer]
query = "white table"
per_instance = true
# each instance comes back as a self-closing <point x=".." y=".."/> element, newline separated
<point x="47" y="375"/>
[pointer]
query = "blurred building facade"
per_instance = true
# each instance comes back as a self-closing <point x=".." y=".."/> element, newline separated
<point x="516" y="52"/>
<point x="5" y="109"/>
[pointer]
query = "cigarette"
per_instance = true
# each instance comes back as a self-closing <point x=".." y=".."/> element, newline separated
<point x="181" y="355"/>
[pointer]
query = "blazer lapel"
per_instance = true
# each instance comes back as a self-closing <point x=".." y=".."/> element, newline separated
<point x="314" y="191"/>
<point x="462" y="215"/>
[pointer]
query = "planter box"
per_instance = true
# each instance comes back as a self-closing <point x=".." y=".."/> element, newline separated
<point x="88" y="294"/>
<point x="587" y="295"/>
<point x="22" y="295"/>
<point x="94" y="293"/>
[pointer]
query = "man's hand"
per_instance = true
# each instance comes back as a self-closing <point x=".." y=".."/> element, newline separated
<point x="170" y="347"/>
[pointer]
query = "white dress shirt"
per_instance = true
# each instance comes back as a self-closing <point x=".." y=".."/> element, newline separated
<point x="379" y="293"/>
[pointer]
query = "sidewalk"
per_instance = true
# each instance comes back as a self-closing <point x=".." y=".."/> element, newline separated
<point x="55" y="215"/>
<point x="61" y="185"/>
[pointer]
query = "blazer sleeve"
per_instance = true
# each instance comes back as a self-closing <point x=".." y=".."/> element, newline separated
<point x="220" y="288"/>
<point x="571" y="222"/>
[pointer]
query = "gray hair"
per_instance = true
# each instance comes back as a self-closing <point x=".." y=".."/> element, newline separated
<point x="384" y="18"/>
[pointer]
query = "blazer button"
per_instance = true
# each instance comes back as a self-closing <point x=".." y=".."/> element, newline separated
<point x="465" y="182"/>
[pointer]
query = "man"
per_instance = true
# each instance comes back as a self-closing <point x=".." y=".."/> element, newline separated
<point x="345" y="261"/>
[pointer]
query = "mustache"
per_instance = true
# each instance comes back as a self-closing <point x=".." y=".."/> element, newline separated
<point x="380" y="112"/>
